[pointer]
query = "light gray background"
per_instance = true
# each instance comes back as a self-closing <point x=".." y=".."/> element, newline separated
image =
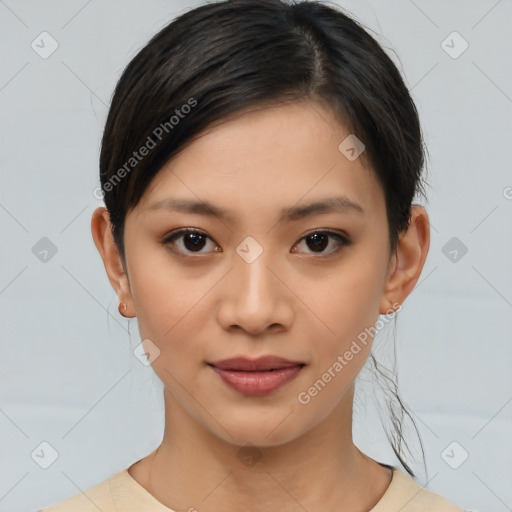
<point x="67" y="372"/>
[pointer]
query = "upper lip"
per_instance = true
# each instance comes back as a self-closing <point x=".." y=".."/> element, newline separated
<point x="261" y="363"/>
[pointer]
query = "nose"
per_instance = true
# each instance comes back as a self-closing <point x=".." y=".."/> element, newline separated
<point x="254" y="297"/>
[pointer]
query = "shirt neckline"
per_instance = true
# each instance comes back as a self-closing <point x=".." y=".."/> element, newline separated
<point x="123" y="481"/>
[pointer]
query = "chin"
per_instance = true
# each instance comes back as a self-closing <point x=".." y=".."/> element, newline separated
<point x="257" y="431"/>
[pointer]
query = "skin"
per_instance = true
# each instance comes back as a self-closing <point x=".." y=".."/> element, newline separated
<point x="290" y="301"/>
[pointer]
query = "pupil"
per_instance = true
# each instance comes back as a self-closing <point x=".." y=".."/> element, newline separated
<point x="317" y="243"/>
<point x="195" y="238"/>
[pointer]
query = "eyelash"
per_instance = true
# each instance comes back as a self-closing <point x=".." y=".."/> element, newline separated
<point x="341" y="239"/>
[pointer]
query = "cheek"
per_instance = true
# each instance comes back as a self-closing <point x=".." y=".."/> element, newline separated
<point x="348" y="300"/>
<point x="347" y="304"/>
<point x="160" y="290"/>
<point x="172" y="308"/>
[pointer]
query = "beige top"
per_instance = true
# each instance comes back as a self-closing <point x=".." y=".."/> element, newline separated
<point x="122" y="493"/>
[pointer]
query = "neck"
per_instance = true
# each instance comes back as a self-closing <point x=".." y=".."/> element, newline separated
<point x="320" y="470"/>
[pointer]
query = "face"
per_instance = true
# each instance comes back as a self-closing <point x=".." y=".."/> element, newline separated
<point x="257" y="278"/>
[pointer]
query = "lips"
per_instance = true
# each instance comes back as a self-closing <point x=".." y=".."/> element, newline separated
<point x="261" y="364"/>
<point x="256" y="377"/>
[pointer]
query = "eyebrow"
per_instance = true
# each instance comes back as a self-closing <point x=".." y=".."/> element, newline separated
<point x="341" y="204"/>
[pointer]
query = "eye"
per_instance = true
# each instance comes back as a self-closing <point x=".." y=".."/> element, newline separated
<point x="319" y="240"/>
<point x="192" y="240"/>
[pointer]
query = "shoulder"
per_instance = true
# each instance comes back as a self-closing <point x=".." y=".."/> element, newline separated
<point x="95" y="498"/>
<point x="405" y="495"/>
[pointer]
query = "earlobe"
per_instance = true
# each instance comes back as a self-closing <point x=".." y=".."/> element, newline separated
<point x="407" y="263"/>
<point x="101" y="229"/>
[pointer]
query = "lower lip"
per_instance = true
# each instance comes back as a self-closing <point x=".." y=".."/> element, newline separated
<point x="257" y="383"/>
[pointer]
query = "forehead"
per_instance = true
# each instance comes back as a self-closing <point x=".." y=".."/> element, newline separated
<point x="265" y="160"/>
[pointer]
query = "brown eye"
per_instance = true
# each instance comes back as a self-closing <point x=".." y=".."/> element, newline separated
<point x="189" y="241"/>
<point x="318" y="241"/>
<point x="192" y="241"/>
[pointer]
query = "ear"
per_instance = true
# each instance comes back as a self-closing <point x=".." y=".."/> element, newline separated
<point x="101" y="229"/>
<point x="407" y="262"/>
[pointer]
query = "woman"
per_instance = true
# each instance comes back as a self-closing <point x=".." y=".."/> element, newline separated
<point x="259" y="165"/>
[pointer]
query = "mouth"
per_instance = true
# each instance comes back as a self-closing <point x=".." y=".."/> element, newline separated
<point x="264" y="363"/>
<point x="257" y="377"/>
